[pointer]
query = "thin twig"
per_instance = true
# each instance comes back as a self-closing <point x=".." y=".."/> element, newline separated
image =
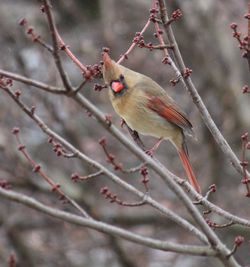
<point x="106" y="228"/>
<point x="66" y="49"/>
<point x="244" y="163"/>
<point x="52" y="27"/>
<point x="36" y="38"/>
<point x="219" y="226"/>
<point x="38" y="169"/>
<point x="248" y="35"/>
<point x="189" y="86"/>
<point x="134" y="169"/>
<point x="133" y="45"/>
<point x="76" y="177"/>
<point x="86" y="104"/>
<point x="216" y="209"/>
<point x="80" y="86"/>
<point x="172" y="215"/>
<point x="31" y="82"/>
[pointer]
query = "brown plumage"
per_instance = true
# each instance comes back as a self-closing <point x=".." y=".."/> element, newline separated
<point x="147" y="109"/>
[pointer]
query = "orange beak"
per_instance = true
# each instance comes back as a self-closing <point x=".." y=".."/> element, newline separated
<point x="107" y="61"/>
<point x="111" y="70"/>
<point x="117" y="86"/>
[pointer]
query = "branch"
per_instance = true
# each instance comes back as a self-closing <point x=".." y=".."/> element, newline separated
<point x="106" y="228"/>
<point x="31" y="82"/>
<point x="38" y="169"/>
<point x="225" y="214"/>
<point x="57" y="59"/>
<point x="195" y="195"/>
<point x="162" y="171"/>
<point x="125" y="55"/>
<point x="65" y="48"/>
<point x="57" y="90"/>
<point x="248" y="35"/>
<point x="170" y="214"/>
<point x="166" y="175"/>
<point x="189" y="86"/>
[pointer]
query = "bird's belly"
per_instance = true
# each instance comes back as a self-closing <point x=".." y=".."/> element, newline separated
<point x="141" y="119"/>
<point x="149" y="123"/>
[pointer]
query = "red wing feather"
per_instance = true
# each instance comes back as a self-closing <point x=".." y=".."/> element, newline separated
<point x="170" y="113"/>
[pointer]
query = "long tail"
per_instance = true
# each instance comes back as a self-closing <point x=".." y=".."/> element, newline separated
<point x="188" y="168"/>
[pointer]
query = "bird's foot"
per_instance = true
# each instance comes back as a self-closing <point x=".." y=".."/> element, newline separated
<point x="151" y="151"/>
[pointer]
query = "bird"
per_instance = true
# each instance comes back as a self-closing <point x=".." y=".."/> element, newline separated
<point x="147" y="109"/>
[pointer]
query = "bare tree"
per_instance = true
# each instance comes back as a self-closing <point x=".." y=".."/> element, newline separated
<point x="78" y="152"/>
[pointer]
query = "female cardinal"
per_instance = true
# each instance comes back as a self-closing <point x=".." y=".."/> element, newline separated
<point x="147" y="109"/>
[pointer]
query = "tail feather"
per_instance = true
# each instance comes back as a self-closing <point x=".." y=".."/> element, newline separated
<point x="189" y="170"/>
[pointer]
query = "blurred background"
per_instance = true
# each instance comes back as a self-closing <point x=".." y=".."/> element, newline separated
<point x="219" y="73"/>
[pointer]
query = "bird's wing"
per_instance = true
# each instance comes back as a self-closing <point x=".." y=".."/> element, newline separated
<point x="171" y="112"/>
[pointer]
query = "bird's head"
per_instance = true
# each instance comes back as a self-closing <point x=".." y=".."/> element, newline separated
<point x="115" y="75"/>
